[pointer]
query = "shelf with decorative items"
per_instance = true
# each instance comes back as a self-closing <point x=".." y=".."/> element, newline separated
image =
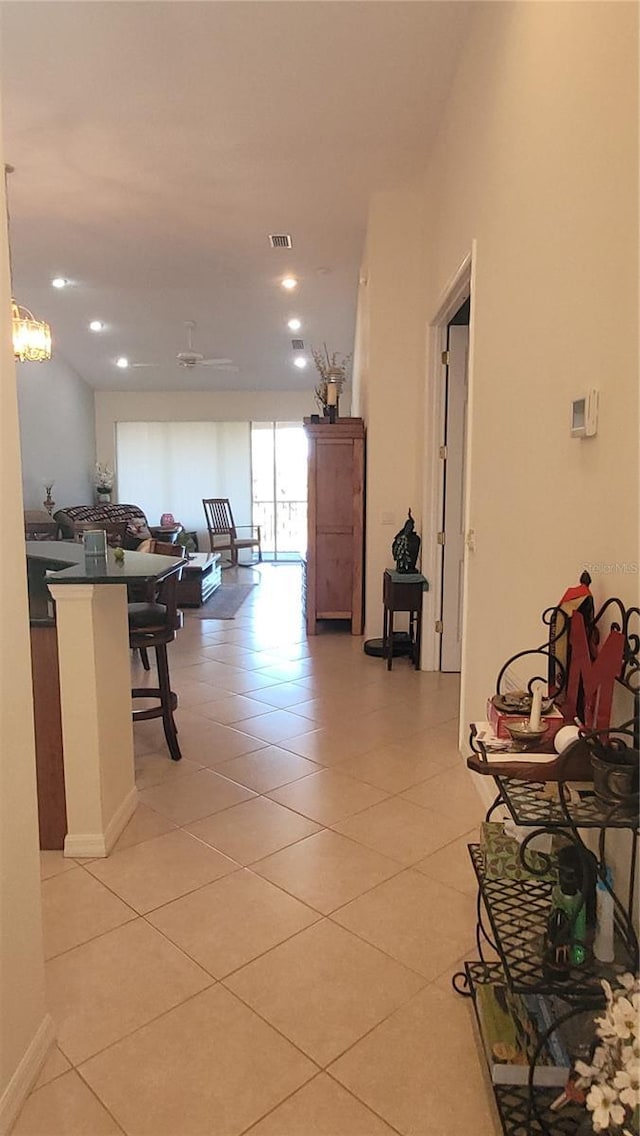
<point x="552" y="934"/>
<point x="518" y="912"/>
<point x="511" y="1031"/>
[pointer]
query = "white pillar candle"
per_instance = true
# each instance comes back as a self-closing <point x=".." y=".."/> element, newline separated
<point x="536" y="706"/>
<point x="332" y="394"/>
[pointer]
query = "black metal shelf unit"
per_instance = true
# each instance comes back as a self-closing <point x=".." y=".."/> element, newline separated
<point x="513" y="1101"/>
<point x="518" y="912"/>
<point x="512" y="920"/>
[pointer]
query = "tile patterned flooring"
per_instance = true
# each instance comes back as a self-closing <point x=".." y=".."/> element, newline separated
<point x="268" y="949"/>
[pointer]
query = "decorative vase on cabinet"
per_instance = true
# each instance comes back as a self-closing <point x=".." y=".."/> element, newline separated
<point x="335" y="511"/>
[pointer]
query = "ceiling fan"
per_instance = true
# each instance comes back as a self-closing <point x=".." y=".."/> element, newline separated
<point x="191" y="359"/>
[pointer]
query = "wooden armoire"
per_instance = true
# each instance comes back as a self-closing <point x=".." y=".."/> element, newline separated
<point x="335" y="510"/>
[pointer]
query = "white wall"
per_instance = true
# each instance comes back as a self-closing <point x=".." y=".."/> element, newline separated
<point x="25" y="1030"/>
<point x="57" y="433"/>
<point x="536" y="160"/>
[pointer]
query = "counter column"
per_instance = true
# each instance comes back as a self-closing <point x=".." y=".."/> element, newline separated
<point x="97" y="729"/>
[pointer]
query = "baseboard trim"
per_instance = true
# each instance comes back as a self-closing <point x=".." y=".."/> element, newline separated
<point x="26" y="1074"/>
<point x="99" y="844"/>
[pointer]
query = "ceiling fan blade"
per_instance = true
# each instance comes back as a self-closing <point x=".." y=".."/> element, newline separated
<point x="216" y="362"/>
<point x="144" y="364"/>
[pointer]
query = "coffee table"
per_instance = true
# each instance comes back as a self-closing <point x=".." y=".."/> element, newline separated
<point x="200" y="578"/>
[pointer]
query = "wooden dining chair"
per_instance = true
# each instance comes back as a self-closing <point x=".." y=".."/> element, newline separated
<point x="223" y="531"/>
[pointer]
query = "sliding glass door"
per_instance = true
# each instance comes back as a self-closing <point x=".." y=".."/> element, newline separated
<point x="279" y="469"/>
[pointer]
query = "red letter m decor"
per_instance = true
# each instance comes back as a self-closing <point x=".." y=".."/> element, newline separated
<point x="590" y="683"/>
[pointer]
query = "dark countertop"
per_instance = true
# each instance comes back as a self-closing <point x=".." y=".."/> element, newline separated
<point x="63" y="562"/>
<point x="66" y="564"/>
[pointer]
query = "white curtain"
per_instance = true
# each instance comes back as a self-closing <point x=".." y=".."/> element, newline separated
<point x="168" y="467"/>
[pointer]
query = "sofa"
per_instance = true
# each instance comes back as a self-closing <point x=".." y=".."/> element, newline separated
<point x="73" y="515"/>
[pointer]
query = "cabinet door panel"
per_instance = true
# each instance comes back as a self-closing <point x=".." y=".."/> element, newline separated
<point x="334" y="474"/>
<point x="334" y="575"/>
<point x="335" y="522"/>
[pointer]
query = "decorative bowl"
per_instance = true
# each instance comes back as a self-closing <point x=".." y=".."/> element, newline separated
<point x="521" y="732"/>
<point x="518" y="702"/>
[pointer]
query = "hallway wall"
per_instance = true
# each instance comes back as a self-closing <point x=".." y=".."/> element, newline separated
<point x="537" y="160"/>
<point x="25" y="1030"/>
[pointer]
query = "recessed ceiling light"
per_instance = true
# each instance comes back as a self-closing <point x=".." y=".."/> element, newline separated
<point x="122" y="362"/>
<point x="294" y="324"/>
<point x="289" y="282"/>
<point x="96" y="325"/>
<point x="59" y="282"/>
<point x="299" y="362"/>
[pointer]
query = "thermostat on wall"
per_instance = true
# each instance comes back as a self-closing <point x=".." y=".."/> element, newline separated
<point x="584" y="415"/>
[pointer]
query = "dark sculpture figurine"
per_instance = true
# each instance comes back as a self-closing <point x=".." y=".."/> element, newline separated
<point x="406" y="546"/>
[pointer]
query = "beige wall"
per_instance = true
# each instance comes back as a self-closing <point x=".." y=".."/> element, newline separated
<point x="24" y="1028"/>
<point x="195" y="406"/>
<point x="389" y="378"/>
<point x="536" y="160"/>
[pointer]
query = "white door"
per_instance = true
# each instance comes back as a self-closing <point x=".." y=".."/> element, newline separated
<point x="453" y="511"/>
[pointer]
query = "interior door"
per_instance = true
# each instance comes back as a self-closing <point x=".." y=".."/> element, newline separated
<point x="453" y="512"/>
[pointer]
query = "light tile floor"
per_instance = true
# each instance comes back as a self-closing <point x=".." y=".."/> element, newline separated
<point x="268" y="948"/>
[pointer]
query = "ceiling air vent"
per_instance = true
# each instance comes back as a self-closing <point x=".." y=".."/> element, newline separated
<point x="297" y="344"/>
<point x="280" y="241"/>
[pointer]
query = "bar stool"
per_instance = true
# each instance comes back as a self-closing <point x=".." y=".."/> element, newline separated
<point x="153" y="623"/>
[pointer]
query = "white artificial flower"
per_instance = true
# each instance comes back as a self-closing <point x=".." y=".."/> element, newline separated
<point x="631" y="1052"/>
<point x="602" y="1101"/>
<point x="595" y="1071"/>
<point x="103" y="478"/>
<point x="627" y="1082"/>
<point x="606" y="986"/>
<point x="625" y="1018"/>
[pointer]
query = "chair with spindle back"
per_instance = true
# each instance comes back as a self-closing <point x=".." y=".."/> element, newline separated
<point x="223" y="531"/>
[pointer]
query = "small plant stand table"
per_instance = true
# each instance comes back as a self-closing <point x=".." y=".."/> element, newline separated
<point x="402" y="591"/>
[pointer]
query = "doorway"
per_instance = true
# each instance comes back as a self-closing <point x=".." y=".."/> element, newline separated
<point x="452" y="530"/>
<point x="447" y="433"/>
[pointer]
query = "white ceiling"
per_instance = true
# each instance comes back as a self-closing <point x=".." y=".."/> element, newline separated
<point x="156" y="144"/>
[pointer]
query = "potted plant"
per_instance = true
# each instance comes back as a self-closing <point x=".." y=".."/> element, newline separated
<point x="103" y="481"/>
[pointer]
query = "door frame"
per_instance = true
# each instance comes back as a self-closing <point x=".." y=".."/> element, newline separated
<point x="460" y="287"/>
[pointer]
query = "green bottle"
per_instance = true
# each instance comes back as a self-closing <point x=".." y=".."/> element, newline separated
<point x="566" y="897"/>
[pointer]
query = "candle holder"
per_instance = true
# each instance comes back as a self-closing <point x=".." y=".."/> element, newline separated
<point x="524" y="735"/>
<point x="332" y="370"/>
<point x="48" y="502"/>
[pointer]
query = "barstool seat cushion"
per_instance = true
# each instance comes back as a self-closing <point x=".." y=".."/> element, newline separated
<point x="143" y="615"/>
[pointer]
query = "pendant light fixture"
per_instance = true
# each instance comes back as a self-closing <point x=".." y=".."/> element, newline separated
<point x="31" y="337"/>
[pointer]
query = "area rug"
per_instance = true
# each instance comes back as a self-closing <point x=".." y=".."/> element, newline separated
<point x="224" y="603"/>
